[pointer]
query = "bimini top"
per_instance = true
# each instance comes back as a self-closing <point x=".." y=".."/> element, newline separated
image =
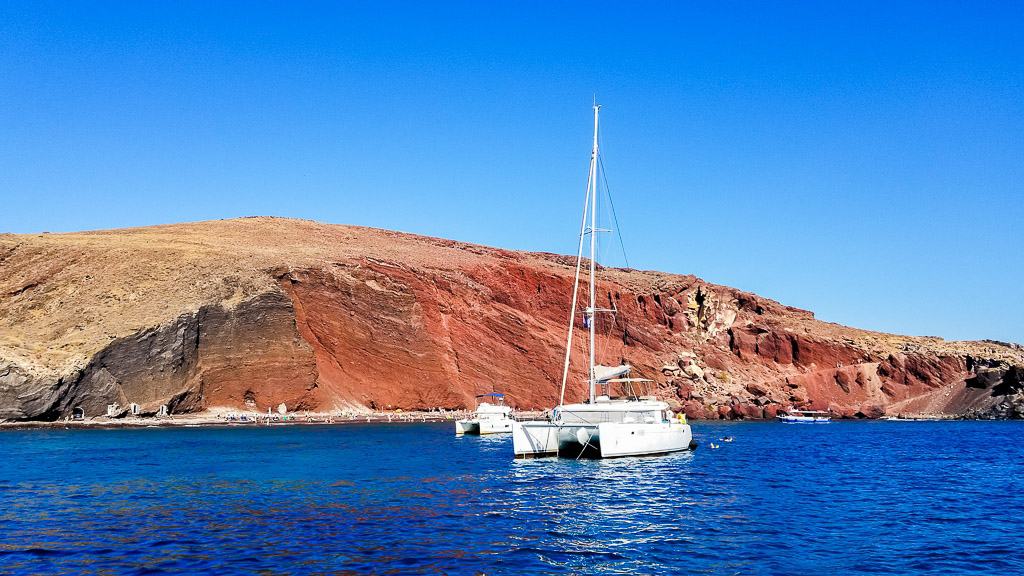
<point x="490" y="395"/>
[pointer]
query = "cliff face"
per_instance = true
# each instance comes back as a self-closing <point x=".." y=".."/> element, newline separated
<point x="259" y="311"/>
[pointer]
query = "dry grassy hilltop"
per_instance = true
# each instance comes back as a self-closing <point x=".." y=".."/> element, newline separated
<point x="254" y="312"/>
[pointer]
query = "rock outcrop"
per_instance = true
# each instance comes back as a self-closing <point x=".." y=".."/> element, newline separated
<point x="255" y="312"/>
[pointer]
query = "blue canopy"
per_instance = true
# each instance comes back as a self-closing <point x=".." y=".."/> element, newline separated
<point x="495" y="394"/>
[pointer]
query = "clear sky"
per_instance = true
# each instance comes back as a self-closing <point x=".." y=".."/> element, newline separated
<point x="860" y="161"/>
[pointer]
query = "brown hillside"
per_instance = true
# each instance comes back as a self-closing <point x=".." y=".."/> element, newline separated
<point x="259" y="311"/>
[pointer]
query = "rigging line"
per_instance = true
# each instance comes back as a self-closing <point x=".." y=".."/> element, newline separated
<point x="602" y="331"/>
<point x="611" y="203"/>
<point x="603" y="347"/>
<point x="575" y="292"/>
<point x="602" y="341"/>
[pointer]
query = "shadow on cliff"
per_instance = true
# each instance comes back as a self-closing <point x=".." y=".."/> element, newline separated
<point x="251" y="352"/>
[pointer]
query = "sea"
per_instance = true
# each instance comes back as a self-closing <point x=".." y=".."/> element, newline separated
<point x="842" y="498"/>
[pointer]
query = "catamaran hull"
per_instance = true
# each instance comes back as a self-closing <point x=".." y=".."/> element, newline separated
<point x="618" y="439"/>
<point x="605" y="440"/>
<point x="534" y="439"/>
<point x="482" y="427"/>
<point x="466" y="427"/>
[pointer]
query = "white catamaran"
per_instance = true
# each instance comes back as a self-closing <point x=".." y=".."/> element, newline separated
<point x="488" y="418"/>
<point x="634" y="424"/>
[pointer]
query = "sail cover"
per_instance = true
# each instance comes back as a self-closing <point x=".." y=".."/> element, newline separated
<point x="605" y="373"/>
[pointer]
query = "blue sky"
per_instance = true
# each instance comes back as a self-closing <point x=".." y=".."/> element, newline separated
<point x="863" y="162"/>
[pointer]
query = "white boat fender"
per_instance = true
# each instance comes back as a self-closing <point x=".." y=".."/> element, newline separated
<point x="582" y="436"/>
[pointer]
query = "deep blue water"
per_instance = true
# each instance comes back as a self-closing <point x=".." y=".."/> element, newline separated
<point x="844" y="498"/>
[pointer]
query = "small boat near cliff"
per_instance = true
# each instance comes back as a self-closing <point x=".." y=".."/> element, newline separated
<point x="488" y="419"/>
<point x="631" y="423"/>
<point x="805" y="417"/>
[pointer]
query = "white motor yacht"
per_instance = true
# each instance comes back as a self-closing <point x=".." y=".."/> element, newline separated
<point x="805" y="417"/>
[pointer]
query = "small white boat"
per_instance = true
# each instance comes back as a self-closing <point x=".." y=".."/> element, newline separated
<point x="805" y="417"/>
<point x="633" y="424"/>
<point x="488" y="418"/>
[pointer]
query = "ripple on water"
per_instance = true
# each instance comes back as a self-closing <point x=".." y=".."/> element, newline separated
<point x="867" y="498"/>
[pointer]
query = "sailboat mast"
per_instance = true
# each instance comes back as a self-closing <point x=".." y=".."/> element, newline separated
<point x="592" y="309"/>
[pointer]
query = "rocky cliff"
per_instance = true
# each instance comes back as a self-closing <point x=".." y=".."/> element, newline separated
<point x="255" y="312"/>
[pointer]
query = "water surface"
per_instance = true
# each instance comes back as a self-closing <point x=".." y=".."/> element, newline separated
<point x="844" y="498"/>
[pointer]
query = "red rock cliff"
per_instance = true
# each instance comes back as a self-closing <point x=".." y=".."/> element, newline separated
<point x="259" y="311"/>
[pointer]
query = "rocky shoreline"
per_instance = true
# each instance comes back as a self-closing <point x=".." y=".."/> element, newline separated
<point x="220" y="420"/>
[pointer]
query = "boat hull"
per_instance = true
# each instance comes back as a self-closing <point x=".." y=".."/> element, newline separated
<point x="621" y="439"/>
<point x="605" y="440"/>
<point x="803" y="420"/>
<point x="495" y="427"/>
<point x="482" y="427"/>
<point x="466" y="427"/>
<point x="534" y="439"/>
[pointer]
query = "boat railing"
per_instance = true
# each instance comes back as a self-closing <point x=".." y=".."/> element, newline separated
<point x="631" y="388"/>
<point x="611" y="416"/>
